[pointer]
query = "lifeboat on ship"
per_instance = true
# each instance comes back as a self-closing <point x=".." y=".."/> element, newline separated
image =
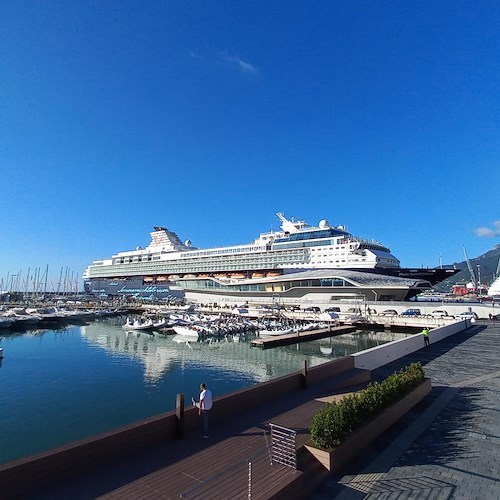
<point x="258" y="275"/>
<point x="239" y="276"/>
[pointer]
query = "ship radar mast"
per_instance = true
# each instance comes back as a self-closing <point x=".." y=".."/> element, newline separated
<point x="290" y="226"/>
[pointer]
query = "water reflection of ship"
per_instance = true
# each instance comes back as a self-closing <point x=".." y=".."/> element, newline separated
<point x="156" y="357"/>
<point x="161" y="354"/>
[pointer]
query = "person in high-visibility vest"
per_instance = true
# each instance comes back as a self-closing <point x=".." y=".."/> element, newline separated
<point x="425" y="333"/>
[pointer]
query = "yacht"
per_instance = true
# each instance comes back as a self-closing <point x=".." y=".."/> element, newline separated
<point x="494" y="290"/>
<point x="168" y="266"/>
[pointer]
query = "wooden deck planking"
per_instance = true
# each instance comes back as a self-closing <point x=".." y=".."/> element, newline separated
<point x="174" y="467"/>
<point x="294" y="338"/>
<point x="225" y="464"/>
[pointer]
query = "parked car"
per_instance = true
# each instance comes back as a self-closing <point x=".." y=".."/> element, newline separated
<point x="263" y="307"/>
<point x="313" y="309"/>
<point x="467" y="315"/>
<point x="439" y="313"/>
<point x="278" y="307"/>
<point x="354" y="310"/>
<point x="332" y="310"/>
<point x="389" y="312"/>
<point x="412" y="312"/>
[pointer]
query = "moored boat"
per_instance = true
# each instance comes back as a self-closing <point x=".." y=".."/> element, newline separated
<point x="5" y="322"/>
<point x="275" y="333"/>
<point x="138" y="324"/>
<point x="186" y="332"/>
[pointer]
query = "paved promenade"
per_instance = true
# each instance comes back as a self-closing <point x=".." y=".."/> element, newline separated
<point x="449" y="446"/>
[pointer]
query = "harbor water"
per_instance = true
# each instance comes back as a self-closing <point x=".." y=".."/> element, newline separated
<point x="61" y="385"/>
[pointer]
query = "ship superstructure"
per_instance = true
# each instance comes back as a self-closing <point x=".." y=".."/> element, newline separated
<point x="296" y="247"/>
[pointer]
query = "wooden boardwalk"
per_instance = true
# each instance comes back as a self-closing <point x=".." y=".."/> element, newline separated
<point x="220" y="469"/>
<point x="217" y="467"/>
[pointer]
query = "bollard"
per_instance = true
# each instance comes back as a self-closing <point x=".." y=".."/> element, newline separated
<point x="304" y="375"/>
<point x="179" y="412"/>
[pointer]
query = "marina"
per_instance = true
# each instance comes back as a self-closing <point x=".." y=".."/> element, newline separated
<point x="77" y="381"/>
<point x="222" y="466"/>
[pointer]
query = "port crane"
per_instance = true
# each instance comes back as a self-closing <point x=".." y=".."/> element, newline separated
<point x="471" y="270"/>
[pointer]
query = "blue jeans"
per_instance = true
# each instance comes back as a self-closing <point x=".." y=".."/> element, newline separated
<point x="204" y="416"/>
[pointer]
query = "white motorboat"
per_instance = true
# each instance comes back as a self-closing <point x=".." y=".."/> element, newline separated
<point x="139" y="324"/>
<point x="46" y="314"/>
<point x="21" y="318"/>
<point x="183" y="331"/>
<point x="275" y="333"/>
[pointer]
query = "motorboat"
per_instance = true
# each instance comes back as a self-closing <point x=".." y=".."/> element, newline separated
<point x="186" y="332"/>
<point x="21" y="318"/>
<point x="140" y="324"/>
<point x="275" y="333"/>
<point x="5" y="322"/>
<point x="47" y="315"/>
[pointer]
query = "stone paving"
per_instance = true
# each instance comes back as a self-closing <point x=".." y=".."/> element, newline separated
<point x="449" y="445"/>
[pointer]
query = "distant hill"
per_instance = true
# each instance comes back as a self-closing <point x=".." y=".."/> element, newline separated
<point x="488" y="263"/>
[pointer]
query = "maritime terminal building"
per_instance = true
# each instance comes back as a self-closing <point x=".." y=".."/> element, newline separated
<point x="300" y="263"/>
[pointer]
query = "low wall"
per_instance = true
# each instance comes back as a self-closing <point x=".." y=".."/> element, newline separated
<point x="386" y="353"/>
<point x="55" y="465"/>
<point x="244" y="399"/>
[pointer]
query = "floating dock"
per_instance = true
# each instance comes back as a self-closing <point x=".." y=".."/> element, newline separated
<point x="295" y="338"/>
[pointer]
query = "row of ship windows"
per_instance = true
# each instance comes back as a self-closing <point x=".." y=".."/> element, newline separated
<point x="205" y="262"/>
<point x="177" y="269"/>
<point x="351" y="247"/>
<point x="301" y="244"/>
<point x="149" y="258"/>
<point x="338" y="261"/>
<point x="306" y="244"/>
<point x="224" y="251"/>
<point x="286" y="285"/>
<point x="235" y="263"/>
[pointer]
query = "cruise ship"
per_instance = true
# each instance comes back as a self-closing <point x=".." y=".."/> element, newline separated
<point x="168" y="267"/>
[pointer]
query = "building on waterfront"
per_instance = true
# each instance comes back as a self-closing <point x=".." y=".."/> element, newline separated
<point x="319" y="285"/>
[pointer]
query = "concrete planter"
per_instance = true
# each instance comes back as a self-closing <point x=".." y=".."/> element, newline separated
<point x="335" y="458"/>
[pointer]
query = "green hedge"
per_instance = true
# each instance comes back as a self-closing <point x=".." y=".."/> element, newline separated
<point x="332" y="424"/>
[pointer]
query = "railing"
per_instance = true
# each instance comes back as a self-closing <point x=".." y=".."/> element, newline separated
<point x="257" y="475"/>
<point x="283" y="446"/>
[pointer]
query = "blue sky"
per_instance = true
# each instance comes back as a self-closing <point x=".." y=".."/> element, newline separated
<point x="209" y="116"/>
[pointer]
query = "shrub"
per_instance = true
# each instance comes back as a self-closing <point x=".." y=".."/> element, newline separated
<point x="332" y="424"/>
